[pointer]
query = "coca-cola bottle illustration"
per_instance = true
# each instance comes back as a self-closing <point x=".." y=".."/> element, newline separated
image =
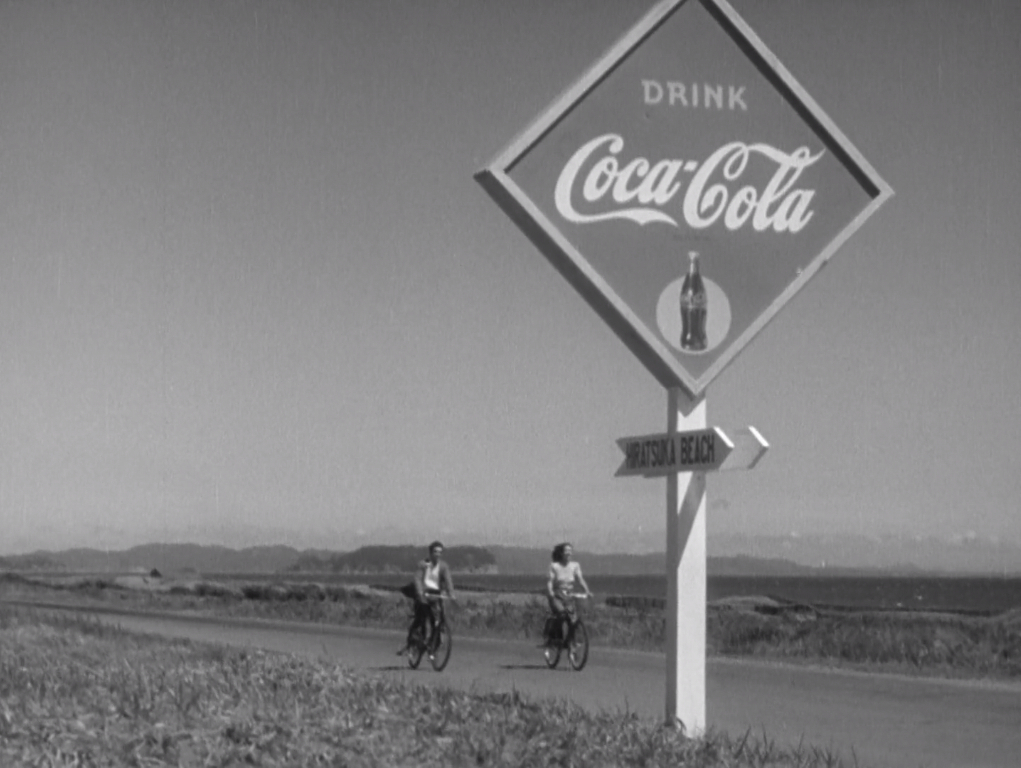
<point x="693" y="307"/>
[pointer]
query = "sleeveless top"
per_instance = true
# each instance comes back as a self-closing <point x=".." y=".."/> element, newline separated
<point x="563" y="576"/>
<point x="432" y="576"/>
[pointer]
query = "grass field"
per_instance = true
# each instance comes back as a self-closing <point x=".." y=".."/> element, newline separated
<point x="932" y="644"/>
<point x="74" y="692"/>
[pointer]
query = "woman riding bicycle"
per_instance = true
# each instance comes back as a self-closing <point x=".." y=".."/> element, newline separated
<point x="563" y="574"/>
<point x="431" y="579"/>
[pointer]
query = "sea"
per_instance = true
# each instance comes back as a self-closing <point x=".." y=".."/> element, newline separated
<point x="978" y="595"/>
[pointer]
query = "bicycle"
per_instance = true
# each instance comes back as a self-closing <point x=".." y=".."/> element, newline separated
<point x="437" y="643"/>
<point x="555" y="639"/>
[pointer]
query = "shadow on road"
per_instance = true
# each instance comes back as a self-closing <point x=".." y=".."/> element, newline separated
<point x="522" y="666"/>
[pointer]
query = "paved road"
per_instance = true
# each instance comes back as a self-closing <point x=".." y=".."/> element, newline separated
<point x="880" y="720"/>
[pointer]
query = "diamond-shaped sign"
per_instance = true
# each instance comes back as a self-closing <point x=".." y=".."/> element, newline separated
<point x="687" y="187"/>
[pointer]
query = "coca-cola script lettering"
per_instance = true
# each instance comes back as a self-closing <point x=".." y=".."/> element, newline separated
<point x="613" y="187"/>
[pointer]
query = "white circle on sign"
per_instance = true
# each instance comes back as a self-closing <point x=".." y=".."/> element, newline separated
<point x="668" y="315"/>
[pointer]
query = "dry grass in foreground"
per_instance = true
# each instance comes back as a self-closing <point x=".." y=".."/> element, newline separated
<point x="75" y="692"/>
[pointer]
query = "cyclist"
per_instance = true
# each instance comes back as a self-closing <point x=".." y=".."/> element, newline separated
<point x="431" y="580"/>
<point x="563" y="574"/>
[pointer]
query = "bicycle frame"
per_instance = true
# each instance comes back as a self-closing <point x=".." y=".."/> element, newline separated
<point x="573" y="638"/>
<point x="433" y="638"/>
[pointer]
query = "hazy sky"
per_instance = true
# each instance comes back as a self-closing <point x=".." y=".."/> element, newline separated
<point x="250" y="291"/>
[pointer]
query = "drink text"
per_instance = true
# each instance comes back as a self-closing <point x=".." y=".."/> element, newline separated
<point x="694" y="95"/>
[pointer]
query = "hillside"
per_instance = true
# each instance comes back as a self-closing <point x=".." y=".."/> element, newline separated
<point x="512" y="560"/>
<point x="396" y="559"/>
<point x="36" y="561"/>
<point x="211" y="559"/>
<point x="168" y="558"/>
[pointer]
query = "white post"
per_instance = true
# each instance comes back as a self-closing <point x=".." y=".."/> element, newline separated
<point x="686" y="577"/>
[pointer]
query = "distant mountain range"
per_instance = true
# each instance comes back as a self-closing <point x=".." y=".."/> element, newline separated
<point x="178" y="558"/>
<point x="909" y="554"/>
<point x="166" y="557"/>
<point x="527" y="560"/>
<point x="399" y="559"/>
<point x="913" y="552"/>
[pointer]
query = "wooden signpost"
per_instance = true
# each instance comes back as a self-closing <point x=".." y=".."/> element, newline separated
<point x="687" y="187"/>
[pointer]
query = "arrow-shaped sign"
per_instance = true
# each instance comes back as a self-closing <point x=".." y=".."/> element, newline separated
<point x="748" y="446"/>
<point x="700" y="450"/>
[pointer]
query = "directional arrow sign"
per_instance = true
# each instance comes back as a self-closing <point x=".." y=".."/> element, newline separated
<point x="748" y="447"/>
<point x="700" y="450"/>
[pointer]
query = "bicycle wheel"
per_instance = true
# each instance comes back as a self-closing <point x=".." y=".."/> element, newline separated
<point x="554" y="643"/>
<point x="416" y="647"/>
<point x="441" y="644"/>
<point x="577" y="654"/>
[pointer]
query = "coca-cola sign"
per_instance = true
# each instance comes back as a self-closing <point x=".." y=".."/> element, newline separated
<point x="687" y="186"/>
<point x="655" y="185"/>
